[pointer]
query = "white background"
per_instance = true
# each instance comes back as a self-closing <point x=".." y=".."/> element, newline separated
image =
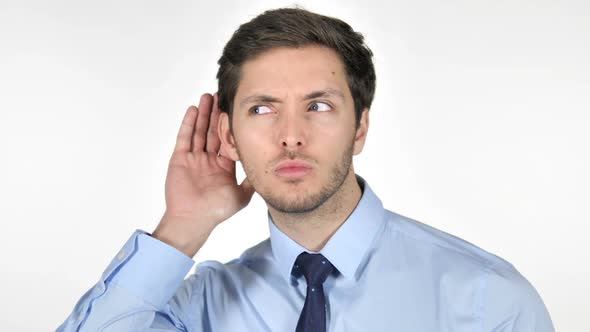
<point x="478" y="128"/>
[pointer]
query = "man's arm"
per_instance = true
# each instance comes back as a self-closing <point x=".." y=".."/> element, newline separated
<point x="136" y="291"/>
<point x="511" y="304"/>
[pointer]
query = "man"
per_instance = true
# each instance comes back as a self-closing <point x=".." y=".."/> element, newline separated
<point x="293" y="103"/>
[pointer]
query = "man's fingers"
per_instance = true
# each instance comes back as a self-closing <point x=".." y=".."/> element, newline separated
<point x="185" y="134"/>
<point x="200" y="135"/>
<point x="213" y="141"/>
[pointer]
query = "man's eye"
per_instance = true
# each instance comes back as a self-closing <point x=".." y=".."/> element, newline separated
<point x="320" y="107"/>
<point x="260" y="109"/>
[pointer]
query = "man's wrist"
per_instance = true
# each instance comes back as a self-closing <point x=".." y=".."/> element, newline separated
<point x="152" y="270"/>
<point x="188" y="242"/>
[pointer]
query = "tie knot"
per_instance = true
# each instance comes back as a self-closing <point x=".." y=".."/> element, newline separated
<point x="315" y="267"/>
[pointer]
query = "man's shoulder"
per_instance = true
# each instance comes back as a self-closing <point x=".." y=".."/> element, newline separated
<point x="452" y="258"/>
<point x="433" y="241"/>
<point x="503" y="296"/>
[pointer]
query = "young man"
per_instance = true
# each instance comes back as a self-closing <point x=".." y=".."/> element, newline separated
<point x="293" y="103"/>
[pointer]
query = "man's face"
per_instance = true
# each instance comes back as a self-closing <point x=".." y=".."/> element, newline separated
<point x="294" y="127"/>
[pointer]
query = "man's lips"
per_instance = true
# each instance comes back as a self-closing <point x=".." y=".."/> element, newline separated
<point x="293" y="168"/>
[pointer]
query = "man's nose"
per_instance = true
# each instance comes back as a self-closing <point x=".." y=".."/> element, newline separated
<point x="292" y="130"/>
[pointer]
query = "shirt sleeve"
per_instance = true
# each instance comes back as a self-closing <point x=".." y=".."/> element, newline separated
<point x="139" y="290"/>
<point x="511" y="304"/>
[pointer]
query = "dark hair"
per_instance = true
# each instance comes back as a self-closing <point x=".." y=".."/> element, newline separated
<point x="297" y="27"/>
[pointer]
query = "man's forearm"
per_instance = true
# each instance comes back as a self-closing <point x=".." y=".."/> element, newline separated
<point x="139" y="282"/>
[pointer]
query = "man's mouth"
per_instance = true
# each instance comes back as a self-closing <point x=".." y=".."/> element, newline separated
<point x="293" y="169"/>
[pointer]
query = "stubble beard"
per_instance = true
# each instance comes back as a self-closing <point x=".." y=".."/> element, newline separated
<point x="306" y="202"/>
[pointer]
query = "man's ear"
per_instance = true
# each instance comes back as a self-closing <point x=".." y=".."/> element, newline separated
<point x="361" y="132"/>
<point x="228" y="145"/>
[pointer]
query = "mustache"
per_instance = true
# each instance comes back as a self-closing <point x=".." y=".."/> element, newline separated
<point x="290" y="155"/>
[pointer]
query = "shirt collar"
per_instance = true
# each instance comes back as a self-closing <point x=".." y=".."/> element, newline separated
<point x="346" y="248"/>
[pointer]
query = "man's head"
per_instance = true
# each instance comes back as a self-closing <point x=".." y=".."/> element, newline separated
<point x="295" y="88"/>
<point x="295" y="28"/>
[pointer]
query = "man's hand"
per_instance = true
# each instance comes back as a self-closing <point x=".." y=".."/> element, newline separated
<point x="201" y="185"/>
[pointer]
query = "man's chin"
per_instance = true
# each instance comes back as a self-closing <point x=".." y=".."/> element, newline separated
<point x="292" y="208"/>
<point x="293" y="202"/>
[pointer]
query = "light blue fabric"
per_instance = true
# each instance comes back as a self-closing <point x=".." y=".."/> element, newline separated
<point x="396" y="274"/>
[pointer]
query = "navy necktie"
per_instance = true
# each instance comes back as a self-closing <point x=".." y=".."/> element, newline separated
<point x="315" y="268"/>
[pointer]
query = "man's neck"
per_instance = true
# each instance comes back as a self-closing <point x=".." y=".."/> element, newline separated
<point x="313" y="229"/>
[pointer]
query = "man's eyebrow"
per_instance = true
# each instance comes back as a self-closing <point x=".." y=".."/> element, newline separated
<point x="325" y="93"/>
<point x="259" y="99"/>
<point x="262" y="98"/>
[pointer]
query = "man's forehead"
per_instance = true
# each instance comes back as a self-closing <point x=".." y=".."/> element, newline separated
<point x="299" y="71"/>
<point x="308" y="60"/>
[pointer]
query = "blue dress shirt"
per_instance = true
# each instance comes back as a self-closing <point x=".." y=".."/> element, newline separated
<point x="395" y="274"/>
